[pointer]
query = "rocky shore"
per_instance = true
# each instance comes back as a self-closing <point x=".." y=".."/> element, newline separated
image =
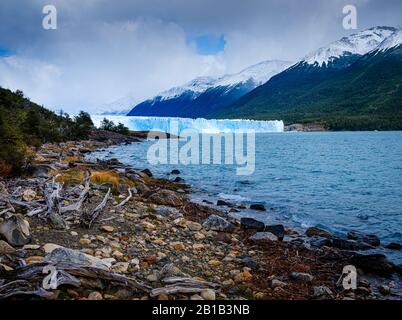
<point x="75" y="229"/>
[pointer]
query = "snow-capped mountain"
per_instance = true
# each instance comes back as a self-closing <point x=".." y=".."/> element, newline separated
<point x="354" y="83"/>
<point x="203" y="95"/>
<point x="393" y="41"/>
<point x="354" y="45"/>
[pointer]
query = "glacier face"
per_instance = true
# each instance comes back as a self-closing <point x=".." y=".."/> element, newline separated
<point x="176" y="125"/>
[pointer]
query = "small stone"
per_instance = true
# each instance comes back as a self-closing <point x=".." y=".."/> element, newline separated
<point x="135" y="262"/>
<point x="49" y="247"/>
<point x="243" y="277"/>
<point x="198" y="246"/>
<point x="5" y="248"/>
<point x="275" y="283"/>
<point x="74" y="234"/>
<point x="303" y="277"/>
<point x="107" y="228"/>
<point x="31" y="247"/>
<point x="152" y="277"/>
<point x="322" y="292"/>
<point x="163" y="296"/>
<point x="208" y="294"/>
<point x="84" y="241"/>
<point x="214" y="262"/>
<point x="199" y="236"/>
<point x="16" y="231"/>
<point x="194" y="226"/>
<point x="95" y="295"/>
<point x="196" y="297"/>
<point x="120" y="267"/>
<point x="177" y="245"/>
<point x="217" y="223"/>
<point x="29" y="195"/>
<point x="117" y="254"/>
<point x="263" y="237"/>
<point x="384" y="290"/>
<point x="34" y="259"/>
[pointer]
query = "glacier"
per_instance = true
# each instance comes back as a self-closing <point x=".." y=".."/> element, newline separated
<point x="174" y="125"/>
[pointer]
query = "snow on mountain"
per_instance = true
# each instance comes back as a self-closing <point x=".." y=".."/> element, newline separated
<point x="120" y="106"/>
<point x="392" y="41"/>
<point x="259" y="74"/>
<point x="355" y="44"/>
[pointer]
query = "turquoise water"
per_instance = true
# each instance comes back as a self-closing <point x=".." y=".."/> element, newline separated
<point x="335" y="180"/>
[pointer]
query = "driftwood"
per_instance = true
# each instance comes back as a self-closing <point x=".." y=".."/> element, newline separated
<point x="77" y="205"/>
<point x="88" y="219"/>
<point x="183" y="285"/>
<point x="30" y="279"/>
<point x="130" y="195"/>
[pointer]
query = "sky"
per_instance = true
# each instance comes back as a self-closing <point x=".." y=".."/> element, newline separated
<point x="103" y="51"/>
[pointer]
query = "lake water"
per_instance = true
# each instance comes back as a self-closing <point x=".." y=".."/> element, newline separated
<point x="335" y="180"/>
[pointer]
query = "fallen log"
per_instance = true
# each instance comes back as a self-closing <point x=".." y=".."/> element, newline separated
<point x="183" y="285"/>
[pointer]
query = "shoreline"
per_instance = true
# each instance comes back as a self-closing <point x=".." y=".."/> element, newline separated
<point x="158" y="233"/>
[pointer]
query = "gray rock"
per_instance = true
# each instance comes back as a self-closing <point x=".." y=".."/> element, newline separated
<point x="216" y="223"/>
<point x="317" y="232"/>
<point x="16" y="231"/>
<point x="351" y="245"/>
<point x="57" y="221"/>
<point x="167" y="211"/>
<point x="394" y="246"/>
<point x="278" y="230"/>
<point x="370" y="239"/>
<point x="252" y="224"/>
<point x="263" y="237"/>
<point x="275" y="283"/>
<point x="322" y="292"/>
<point x="302" y="277"/>
<point x="258" y="207"/>
<point x="319" y="242"/>
<point x="167" y="198"/>
<point x="374" y="263"/>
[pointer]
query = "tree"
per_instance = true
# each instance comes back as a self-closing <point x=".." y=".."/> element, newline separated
<point x="107" y="125"/>
<point x="122" y="129"/>
<point x="82" y="125"/>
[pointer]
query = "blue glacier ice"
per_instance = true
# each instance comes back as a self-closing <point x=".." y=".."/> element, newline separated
<point x="174" y="125"/>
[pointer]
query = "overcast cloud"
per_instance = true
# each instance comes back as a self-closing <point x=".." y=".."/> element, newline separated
<point x="104" y="50"/>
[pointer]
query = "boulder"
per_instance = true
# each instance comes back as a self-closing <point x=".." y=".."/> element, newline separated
<point x="16" y="231"/>
<point x="351" y="245"/>
<point x="316" y="232"/>
<point x="216" y="223"/>
<point x="278" y="230"/>
<point x="394" y="246"/>
<point x="370" y="239"/>
<point x="374" y="263"/>
<point x="167" y="198"/>
<point x="263" y="237"/>
<point x="175" y="172"/>
<point x="319" y="242"/>
<point x="252" y="224"/>
<point x="147" y="172"/>
<point x="258" y="207"/>
<point x="223" y="203"/>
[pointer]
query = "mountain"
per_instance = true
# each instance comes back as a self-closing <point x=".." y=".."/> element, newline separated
<point x="354" y="83"/>
<point x="205" y="95"/>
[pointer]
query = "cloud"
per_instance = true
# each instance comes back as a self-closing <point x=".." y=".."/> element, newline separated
<point x="104" y="50"/>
